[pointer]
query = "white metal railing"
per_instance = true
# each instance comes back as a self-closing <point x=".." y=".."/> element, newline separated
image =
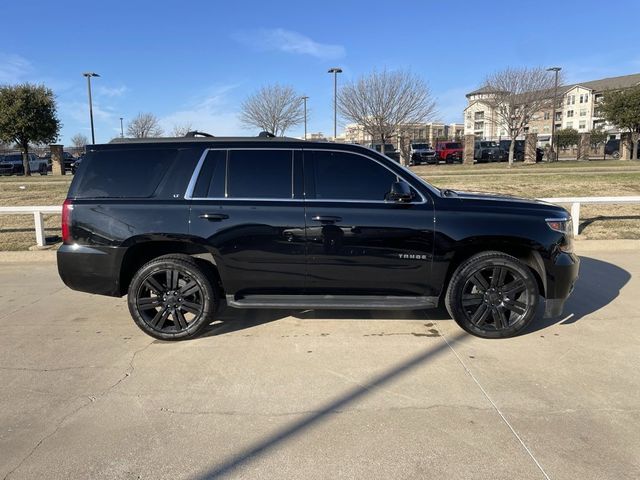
<point x="38" y="211"/>
<point x="576" y="201"/>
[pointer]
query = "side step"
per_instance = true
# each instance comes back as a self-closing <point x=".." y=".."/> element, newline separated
<point x="318" y="302"/>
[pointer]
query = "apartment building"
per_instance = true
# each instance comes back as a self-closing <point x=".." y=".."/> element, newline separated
<point x="577" y="108"/>
<point x="416" y="133"/>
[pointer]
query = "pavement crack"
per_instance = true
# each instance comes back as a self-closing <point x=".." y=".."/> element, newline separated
<point x="60" y="369"/>
<point x="90" y="400"/>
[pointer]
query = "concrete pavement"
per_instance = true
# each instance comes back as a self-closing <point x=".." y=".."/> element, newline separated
<point x="272" y="394"/>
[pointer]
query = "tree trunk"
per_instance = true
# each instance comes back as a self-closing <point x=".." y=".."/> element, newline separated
<point x="634" y="145"/>
<point x="25" y="160"/>
<point x="512" y="148"/>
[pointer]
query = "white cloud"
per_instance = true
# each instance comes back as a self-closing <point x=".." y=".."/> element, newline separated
<point x="211" y="113"/>
<point x="104" y="91"/>
<point x="288" y="41"/>
<point x="13" y="68"/>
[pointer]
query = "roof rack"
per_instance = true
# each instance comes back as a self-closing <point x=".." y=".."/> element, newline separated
<point x="196" y="133"/>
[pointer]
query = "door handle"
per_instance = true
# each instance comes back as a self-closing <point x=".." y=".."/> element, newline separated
<point x="214" y="217"/>
<point x="326" y="219"/>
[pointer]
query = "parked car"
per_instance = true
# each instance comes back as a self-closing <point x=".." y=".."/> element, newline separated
<point x="422" y="153"/>
<point x="67" y="158"/>
<point x="518" y="150"/>
<point x="389" y="150"/>
<point x="11" y="164"/>
<point x="487" y="151"/>
<point x="184" y="225"/>
<point x="76" y="164"/>
<point x="449" y="151"/>
<point x="612" y="148"/>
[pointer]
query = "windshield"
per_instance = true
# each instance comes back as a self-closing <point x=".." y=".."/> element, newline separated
<point x="488" y="144"/>
<point x="453" y="145"/>
<point x="420" y="146"/>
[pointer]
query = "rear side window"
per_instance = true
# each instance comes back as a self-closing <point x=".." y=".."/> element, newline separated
<point x="260" y="174"/>
<point x="127" y="173"/>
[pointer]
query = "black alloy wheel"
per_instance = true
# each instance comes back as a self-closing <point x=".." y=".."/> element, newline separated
<point x="492" y="295"/>
<point x="171" y="298"/>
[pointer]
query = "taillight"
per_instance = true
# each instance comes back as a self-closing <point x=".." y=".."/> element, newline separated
<point x="67" y="206"/>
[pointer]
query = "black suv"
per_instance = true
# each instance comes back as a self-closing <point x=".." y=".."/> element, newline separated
<point x="183" y="225"/>
<point x="518" y="150"/>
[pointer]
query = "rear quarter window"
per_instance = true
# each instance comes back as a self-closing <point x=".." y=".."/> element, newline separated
<point x="126" y="173"/>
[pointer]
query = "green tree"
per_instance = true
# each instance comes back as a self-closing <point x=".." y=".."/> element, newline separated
<point x="598" y="137"/>
<point x="28" y="114"/>
<point x="622" y="109"/>
<point x="567" y="137"/>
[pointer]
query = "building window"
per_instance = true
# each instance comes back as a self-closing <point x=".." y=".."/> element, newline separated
<point x="598" y="98"/>
<point x="582" y="125"/>
<point x="479" y="116"/>
<point x="478" y="126"/>
<point x="569" y="124"/>
<point x="583" y="112"/>
<point x="547" y="115"/>
<point x="545" y="129"/>
<point x="569" y="113"/>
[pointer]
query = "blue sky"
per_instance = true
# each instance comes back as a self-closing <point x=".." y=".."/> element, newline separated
<point x="196" y="61"/>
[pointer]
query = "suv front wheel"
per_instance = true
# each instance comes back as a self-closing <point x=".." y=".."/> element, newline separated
<point x="171" y="298"/>
<point x="492" y="295"/>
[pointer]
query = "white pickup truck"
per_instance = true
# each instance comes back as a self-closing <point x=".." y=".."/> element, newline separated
<point x="11" y="164"/>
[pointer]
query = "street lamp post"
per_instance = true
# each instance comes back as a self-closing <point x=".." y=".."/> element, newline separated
<point x="304" y="99"/>
<point x="335" y="71"/>
<point x="89" y="75"/>
<point x="121" y="129"/>
<point x="553" y="110"/>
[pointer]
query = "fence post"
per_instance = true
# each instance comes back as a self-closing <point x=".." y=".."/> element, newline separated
<point x="469" y="145"/>
<point x="57" y="160"/>
<point x="625" y="146"/>
<point x="530" y="144"/>
<point x="575" y="217"/>
<point x="37" y="217"/>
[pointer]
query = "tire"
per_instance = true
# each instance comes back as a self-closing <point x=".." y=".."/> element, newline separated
<point x="616" y="155"/>
<point x="172" y="298"/>
<point x="43" y="169"/>
<point x="492" y="295"/>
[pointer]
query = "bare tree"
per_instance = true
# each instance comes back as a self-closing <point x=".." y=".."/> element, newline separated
<point x="181" y="129"/>
<point x="144" y="125"/>
<point x="382" y="102"/>
<point x="516" y="94"/>
<point x="274" y="108"/>
<point x="79" y="141"/>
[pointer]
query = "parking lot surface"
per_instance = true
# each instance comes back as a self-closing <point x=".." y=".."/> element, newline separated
<point x="309" y="394"/>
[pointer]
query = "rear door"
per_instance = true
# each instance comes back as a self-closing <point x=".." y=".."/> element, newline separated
<point x="247" y="207"/>
<point x="359" y="243"/>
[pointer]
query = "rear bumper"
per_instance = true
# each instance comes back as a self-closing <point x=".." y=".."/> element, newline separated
<point x="91" y="269"/>
<point x="562" y="274"/>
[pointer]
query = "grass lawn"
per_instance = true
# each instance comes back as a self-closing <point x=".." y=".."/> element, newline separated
<point x="561" y="179"/>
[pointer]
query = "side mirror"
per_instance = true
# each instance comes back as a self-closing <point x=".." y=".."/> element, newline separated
<point x="400" y="192"/>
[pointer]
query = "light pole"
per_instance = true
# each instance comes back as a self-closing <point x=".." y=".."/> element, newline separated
<point x="121" y="129"/>
<point x="89" y="75"/>
<point x="335" y="71"/>
<point x="553" y="110"/>
<point x="304" y="99"/>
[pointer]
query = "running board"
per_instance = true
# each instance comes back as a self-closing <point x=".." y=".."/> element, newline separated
<point x="318" y="302"/>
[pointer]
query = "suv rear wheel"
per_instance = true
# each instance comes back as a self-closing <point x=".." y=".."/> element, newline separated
<point x="492" y="295"/>
<point x="171" y="298"/>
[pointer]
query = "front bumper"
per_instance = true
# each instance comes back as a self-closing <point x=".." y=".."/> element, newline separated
<point x="562" y="275"/>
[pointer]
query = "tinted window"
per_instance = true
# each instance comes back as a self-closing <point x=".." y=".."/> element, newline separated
<point x="260" y="174"/>
<point x="453" y="145"/>
<point x="210" y="182"/>
<point x="345" y="176"/>
<point x="124" y="173"/>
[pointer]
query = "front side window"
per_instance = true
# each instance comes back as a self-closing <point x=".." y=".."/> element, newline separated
<point x="346" y="176"/>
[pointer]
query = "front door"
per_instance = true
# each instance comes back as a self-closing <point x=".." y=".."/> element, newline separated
<point x="357" y="242"/>
<point x="247" y="208"/>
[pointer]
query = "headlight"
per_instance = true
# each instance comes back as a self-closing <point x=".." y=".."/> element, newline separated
<point x="564" y="226"/>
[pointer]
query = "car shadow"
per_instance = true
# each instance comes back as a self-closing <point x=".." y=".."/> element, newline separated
<point x="600" y="218"/>
<point x="599" y="283"/>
